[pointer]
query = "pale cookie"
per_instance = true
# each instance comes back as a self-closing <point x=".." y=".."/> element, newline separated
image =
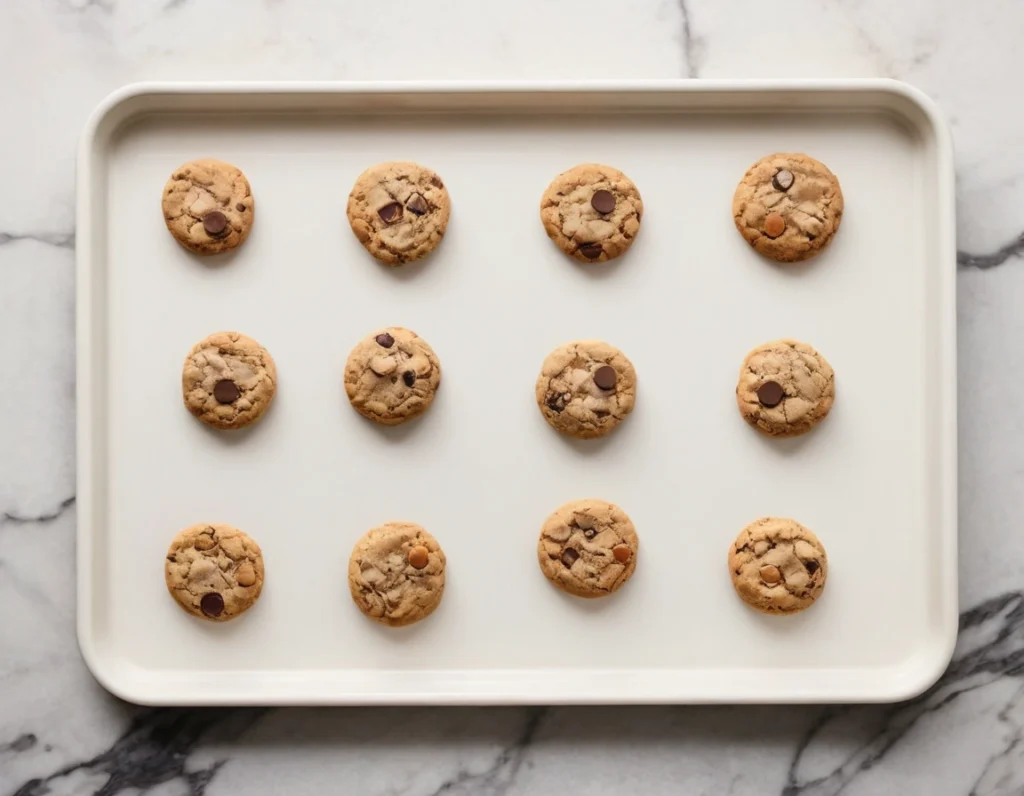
<point x="778" y="566"/>
<point x="396" y="573"/>
<point x="788" y="206"/>
<point x="228" y="380"/>
<point x="785" y="388"/>
<point x="592" y="212"/>
<point x="214" y="571"/>
<point x="586" y="388"/>
<point x="208" y="206"/>
<point x="392" y="375"/>
<point x="588" y="548"/>
<point x="399" y="211"/>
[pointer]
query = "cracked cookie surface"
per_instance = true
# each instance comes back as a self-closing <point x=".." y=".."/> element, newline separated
<point x="396" y="573"/>
<point x="399" y="211"/>
<point x="588" y="548"/>
<point x="214" y="571"/>
<point x="788" y="206"/>
<point x="778" y="566"/>
<point x="785" y="388"/>
<point x="228" y="380"/>
<point x="208" y="206"/>
<point x="392" y="376"/>
<point x="592" y="212"/>
<point x="586" y="388"/>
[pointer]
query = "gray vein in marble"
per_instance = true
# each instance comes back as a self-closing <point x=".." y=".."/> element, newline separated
<point x="155" y="749"/>
<point x="1014" y="248"/>
<point x="20" y="744"/>
<point x="63" y="240"/>
<point x="501" y="775"/>
<point x="22" y="519"/>
<point x="691" y="67"/>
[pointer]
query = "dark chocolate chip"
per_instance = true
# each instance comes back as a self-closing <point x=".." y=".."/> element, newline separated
<point x="783" y="180"/>
<point x="409" y="378"/>
<point x="436" y="181"/>
<point x="212" y="604"/>
<point x="556" y="402"/>
<point x="812" y="566"/>
<point x="770" y="394"/>
<point x="390" y="213"/>
<point x="384" y="339"/>
<point x="569" y="556"/>
<point x="215" y="223"/>
<point x="417" y="204"/>
<point x="240" y="207"/>
<point x="226" y="391"/>
<point x="605" y="377"/>
<point x="603" y="202"/>
<point x="591" y="250"/>
<point x="590" y="533"/>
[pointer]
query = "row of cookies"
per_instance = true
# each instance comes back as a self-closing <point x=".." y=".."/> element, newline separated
<point x="396" y="572"/>
<point x="788" y="206"/>
<point x="585" y="388"/>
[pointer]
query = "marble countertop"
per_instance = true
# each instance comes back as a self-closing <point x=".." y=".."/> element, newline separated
<point x="60" y="733"/>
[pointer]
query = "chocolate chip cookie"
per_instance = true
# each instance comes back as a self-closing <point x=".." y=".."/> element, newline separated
<point x="208" y="206"/>
<point x="778" y="566"/>
<point x="785" y="388"/>
<point x="214" y="571"/>
<point x="788" y="206"/>
<point x="399" y="211"/>
<point x="228" y="380"/>
<point x="588" y="548"/>
<point x="586" y="388"/>
<point x="392" y="375"/>
<point x="592" y="212"/>
<point x="396" y="573"/>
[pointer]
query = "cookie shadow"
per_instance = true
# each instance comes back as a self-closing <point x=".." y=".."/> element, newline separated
<point x="408" y="271"/>
<point x="233" y="437"/>
<point x="397" y="434"/>
<point x="600" y="271"/>
<point x="785" y="446"/>
<point x="215" y="262"/>
<point x="587" y="605"/>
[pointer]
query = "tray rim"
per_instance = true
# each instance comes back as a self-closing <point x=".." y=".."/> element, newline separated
<point x="109" y="676"/>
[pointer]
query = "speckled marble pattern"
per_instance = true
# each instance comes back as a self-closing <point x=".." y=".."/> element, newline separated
<point x="61" y="734"/>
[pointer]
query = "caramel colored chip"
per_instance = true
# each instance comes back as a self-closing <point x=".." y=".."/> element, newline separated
<point x="774" y="225"/>
<point x="770" y="574"/>
<point x="418" y="556"/>
<point x="622" y="553"/>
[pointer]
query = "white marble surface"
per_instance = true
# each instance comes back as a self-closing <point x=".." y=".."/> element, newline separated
<point x="61" y="734"/>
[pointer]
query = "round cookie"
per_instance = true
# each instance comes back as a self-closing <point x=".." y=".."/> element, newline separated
<point x="588" y="548"/>
<point x="778" y="566"/>
<point x="228" y="380"/>
<point x="586" y="388"/>
<point x="399" y="211"/>
<point x="785" y="388"/>
<point x="396" y="573"/>
<point x="392" y="375"/>
<point x="214" y="571"/>
<point x="208" y="206"/>
<point x="788" y="206"/>
<point x="592" y="212"/>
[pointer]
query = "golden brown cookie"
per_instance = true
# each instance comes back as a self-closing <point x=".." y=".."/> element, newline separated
<point x="214" y="571"/>
<point x="396" y="573"/>
<point x="785" y="388"/>
<point x="208" y="206"/>
<point x="586" y="388"/>
<point x="399" y="211"/>
<point x="788" y="206"/>
<point x="228" y="380"/>
<point x="588" y="548"/>
<point x="592" y="212"/>
<point x="392" y="375"/>
<point x="778" y="566"/>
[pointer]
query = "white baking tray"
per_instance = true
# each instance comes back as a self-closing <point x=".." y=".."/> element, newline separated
<point x="482" y="470"/>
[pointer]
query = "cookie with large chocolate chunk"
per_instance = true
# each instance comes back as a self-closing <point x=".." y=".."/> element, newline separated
<point x="208" y="206"/>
